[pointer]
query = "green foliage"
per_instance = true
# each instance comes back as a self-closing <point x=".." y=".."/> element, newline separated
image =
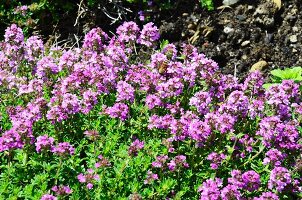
<point x="208" y="4"/>
<point x="279" y="75"/>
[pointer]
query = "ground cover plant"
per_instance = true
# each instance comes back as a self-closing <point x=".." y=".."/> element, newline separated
<point x="124" y="117"/>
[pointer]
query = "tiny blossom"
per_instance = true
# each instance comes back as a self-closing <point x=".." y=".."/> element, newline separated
<point x="89" y="100"/>
<point x="216" y="159"/>
<point x="48" y="197"/>
<point x="103" y="162"/>
<point x="222" y="122"/>
<point x="178" y="161"/>
<point x="92" y="134"/>
<point x="150" y="177"/>
<point x="63" y="148"/>
<point x="149" y="34"/>
<point x="201" y="101"/>
<point x="279" y="179"/>
<point x="21" y="10"/>
<point x="237" y="104"/>
<point x="14" y="35"/>
<point x="128" y="31"/>
<point x="141" y="15"/>
<point x="230" y="192"/>
<point x="152" y="101"/>
<point x="274" y="157"/>
<point x="267" y="196"/>
<point x="125" y="92"/>
<point x="88" y="178"/>
<point x="157" y="59"/>
<point x="118" y="110"/>
<point x="94" y="39"/>
<point x="10" y="140"/>
<point x="170" y="51"/>
<point x="160" y="161"/>
<point x="61" y="190"/>
<point x="135" y="147"/>
<point x="46" y="66"/>
<point x="253" y="83"/>
<point x="251" y="180"/>
<point x="34" y="48"/>
<point x="210" y="189"/>
<point x="44" y="143"/>
<point x="236" y="179"/>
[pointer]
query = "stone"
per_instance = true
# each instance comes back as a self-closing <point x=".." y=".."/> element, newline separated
<point x="293" y="39"/>
<point x="228" y="30"/>
<point x="245" y="43"/>
<point x="229" y="2"/>
<point x="259" y="66"/>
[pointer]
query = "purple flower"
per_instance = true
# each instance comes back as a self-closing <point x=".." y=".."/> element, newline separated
<point x="10" y="140"/>
<point x="280" y="178"/>
<point x="230" y="192"/>
<point x="149" y="34"/>
<point x="216" y="159"/>
<point x="34" y="48"/>
<point x="236" y="179"/>
<point x="48" y="197"/>
<point x="170" y="51"/>
<point x="61" y="190"/>
<point x="45" y="67"/>
<point x="141" y="15"/>
<point x="152" y="101"/>
<point x="222" y="122"/>
<point x="125" y="92"/>
<point x="92" y="134"/>
<point x="44" y="143"/>
<point x="128" y="31"/>
<point x="118" y="110"/>
<point x="251" y="180"/>
<point x="94" y="39"/>
<point x="267" y="196"/>
<point x="135" y="147"/>
<point x="103" y="162"/>
<point x="89" y="100"/>
<point x="237" y="104"/>
<point x="253" y="84"/>
<point x="63" y="149"/>
<point x="210" y="189"/>
<point x="201" y="101"/>
<point x="88" y="178"/>
<point x="14" y="35"/>
<point x="160" y="161"/>
<point x="274" y="157"/>
<point x="150" y="177"/>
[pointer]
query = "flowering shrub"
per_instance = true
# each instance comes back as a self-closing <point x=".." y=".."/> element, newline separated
<point x="119" y="118"/>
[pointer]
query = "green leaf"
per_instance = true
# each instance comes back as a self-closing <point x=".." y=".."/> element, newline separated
<point x="163" y="44"/>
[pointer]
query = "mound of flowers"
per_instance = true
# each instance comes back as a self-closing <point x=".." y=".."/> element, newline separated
<point x="121" y="118"/>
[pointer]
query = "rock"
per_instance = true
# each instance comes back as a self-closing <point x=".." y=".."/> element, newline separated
<point x="261" y="10"/>
<point x="241" y="17"/>
<point x="250" y="7"/>
<point x="245" y="43"/>
<point x="228" y="30"/>
<point x="244" y="57"/>
<point x="185" y="14"/>
<point x="294" y="50"/>
<point x="293" y="39"/>
<point x="229" y="2"/>
<point x="191" y="26"/>
<point x="295" y="29"/>
<point x="259" y="66"/>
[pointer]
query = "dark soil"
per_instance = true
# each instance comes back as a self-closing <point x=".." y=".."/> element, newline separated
<point x="239" y="36"/>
